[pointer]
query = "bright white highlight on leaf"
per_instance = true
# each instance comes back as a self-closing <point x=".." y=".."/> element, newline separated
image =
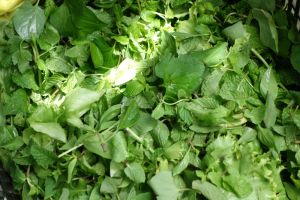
<point x="125" y="72"/>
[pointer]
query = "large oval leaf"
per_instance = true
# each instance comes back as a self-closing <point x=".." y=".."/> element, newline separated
<point x="29" y="21"/>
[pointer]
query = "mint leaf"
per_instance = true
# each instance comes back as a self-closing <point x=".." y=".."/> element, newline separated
<point x="268" y="32"/>
<point x="42" y="156"/>
<point x="182" y="73"/>
<point x="295" y="60"/>
<point x="52" y="129"/>
<point x="163" y="185"/>
<point x="29" y="21"/>
<point x="135" y="172"/>
<point x="26" y="80"/>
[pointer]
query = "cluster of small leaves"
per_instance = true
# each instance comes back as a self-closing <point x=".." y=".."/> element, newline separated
<point x="143" y="100"/>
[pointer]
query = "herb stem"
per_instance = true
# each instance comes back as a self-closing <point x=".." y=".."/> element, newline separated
<point x="139" y="4"/>
<point x="174" y="103"/>
<point x="134" y="135"/>
<point x="69" y="150"/>
<point x="260" y="57"/>
<point x="36" y="56"/>
<point x="235" y="124"/>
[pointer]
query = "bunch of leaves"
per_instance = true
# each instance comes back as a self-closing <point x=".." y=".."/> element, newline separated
<point x="155" y="99"/>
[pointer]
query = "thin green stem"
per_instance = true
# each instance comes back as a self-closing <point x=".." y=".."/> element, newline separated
<point x="37" y="2"/>
<point x="139" y="4"/>
<point x="134" y="135"/>
<point x="69" y="150"/>
<point x="174" y="103"/>
<point x="36" y="57"/>
<point x="260" y="58"/>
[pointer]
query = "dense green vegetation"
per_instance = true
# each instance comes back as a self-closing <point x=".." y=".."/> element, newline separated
<point x="157" y="99"/>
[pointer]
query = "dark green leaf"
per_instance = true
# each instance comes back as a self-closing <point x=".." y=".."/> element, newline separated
<point x="182" y="73"/>
<point x="42" y="156"/>
<point x="26" y="80"/>
<point x="268" y="32"/>
<point x="235" y="31"/>
<point x="130" y="117"/>
<point x="295" y="58"/>
<point x="17" y="103"/>
<point x="29" y="21"/>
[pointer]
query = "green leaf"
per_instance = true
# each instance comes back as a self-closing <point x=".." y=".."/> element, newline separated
<point x="26" y="80"/>
<point x="256" y="115"/>
<point x="266" y="137"/>
<point x="238" y="184"/>
<point x="209" y="190"/>
<point x="268" y="32"/>
<point x="42" y="156"/>
<point x="164" y="187"/>
<point x="236" y="88"/>
<point x="21" y="58"/>
<point x="49" y="187"/>
<point x="17" y="174"/>
<point x="158" y="112"/>
<point x="96" y="55"/>
<point x="109" y="185"/>
<point x="62" y="21"/>
<point x="119" y="147"/>
<point x="213" y="56"/>
<point x="135" y="172"/>
<point x="182" y="165"/>
<point x="58" y="65"/>
<point x="64" y="194"/>
<point x="109" y="58"/>
<point x="235" y="31"/>
<point x="182" y="73"/>
<point x="145" y="123"/>
<point x="295" y="58"/>
<point x="95" y="194"/>
<point x="29" y="21"/>
<point x="268" y="84"/>
<point x="71" y="168"/>
<point x="14" y="144"/>
<point x="130" y="117"/>
<point x="161" y="133"/>
<point x="79" y="100"/>
<point x="269" y="90"/>
<point x="268" y="5"/>
<point x="95" y="144"/>
<point x="48" y="38"/>
<point x="17" y="103"/>
<point x="43" y="114"/>
<point x="211" y="83"/>
<point x="52" y="129"/>
<point x="143" y="196"/>
<point x="85" y="21"/>
<point x="292" y="192"/>
<point x="133" y="88"/>
<point x="271" y="112"/>
<point x="168" y="44"/>
<point x="207" y="111"/>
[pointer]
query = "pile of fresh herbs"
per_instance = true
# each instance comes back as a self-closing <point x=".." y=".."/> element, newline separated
<point x="156" y="99"/>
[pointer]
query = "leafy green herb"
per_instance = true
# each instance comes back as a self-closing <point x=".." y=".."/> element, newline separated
<point x="142" y="100"/>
